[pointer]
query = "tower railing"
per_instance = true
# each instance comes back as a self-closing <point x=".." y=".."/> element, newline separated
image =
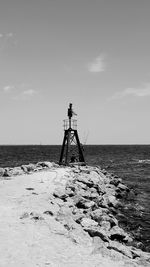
<point x="66" y="124"/>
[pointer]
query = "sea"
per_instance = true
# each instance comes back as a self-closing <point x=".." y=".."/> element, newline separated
<point x="129" y="162"/>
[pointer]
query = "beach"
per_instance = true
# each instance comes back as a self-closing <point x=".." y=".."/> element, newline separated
<point x="45" y="222"/>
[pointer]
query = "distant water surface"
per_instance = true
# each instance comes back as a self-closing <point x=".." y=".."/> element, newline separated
<point x="130" y="162"/>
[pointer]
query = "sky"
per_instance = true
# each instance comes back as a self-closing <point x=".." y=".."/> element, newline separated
<point x="92" y="53"/>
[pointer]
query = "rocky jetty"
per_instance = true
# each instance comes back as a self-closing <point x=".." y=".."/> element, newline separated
<point x="87" y="202"/>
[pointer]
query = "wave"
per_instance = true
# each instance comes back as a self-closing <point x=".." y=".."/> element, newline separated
<point x="144" y="161"/>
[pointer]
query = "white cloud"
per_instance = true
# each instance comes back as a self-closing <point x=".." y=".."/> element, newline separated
<point x="1" y="35"/>
<point x="137" y="92"/>
<point x="29" y="92"/>
<point x="8" y="88"/>
<point x="97" y="65"/>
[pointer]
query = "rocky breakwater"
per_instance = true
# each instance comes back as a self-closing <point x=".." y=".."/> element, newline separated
<point x="88" y="205"/>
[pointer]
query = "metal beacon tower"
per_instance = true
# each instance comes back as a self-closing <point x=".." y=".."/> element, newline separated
<point x="72" y="150"/>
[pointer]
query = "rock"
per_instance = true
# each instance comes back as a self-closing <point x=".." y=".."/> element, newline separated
<point x="98" y="242"/>
<point x="92" y="190"/>
<point x="36" y="216"/>
<point x="120" y="248"/>
<point x="105" y="225"/>
<point x="60" y="193"/>
<point x="29" y="188"/>
<point x="117" y="233"/>
<point x="82" y="203"/>
<point x="7" y="172"/>
<point x="104" y="172"/>
<point x="76" y="170"/>
<point x="110" y="189"/>
<point x="97" y="231"/>
<point x="85" y="180"/>
<point x="24" y="168"/>
<point x="64" y="216"/>
<point x="56" y="165"/>
<point x="139" y="253"/>
<point x="84" y="169"/>
<point x="17" y="171"/>
<point x="95" y="196"/>
<point x="28" y="168"/>
<point x="78" y="216"/>
<point x="101" y="188"/>
<point x="89" y="204"/>
<point x="70" y="202"/>
<point x="98" y="213"/>
<point x="82" y="185"/>
<point x="2" y="171"/>
<point x="112" y="201"/>
<point x="48" y="212"/>
<point x="84" y="193"/>
<point x="104" y="202"/>
<point x="87" y="223"/>
<point x="94" y="177"/>
<point x="71" y="186"/>
<point x="46" y="164"/>
<point x="114" y="181"/>
<point x="69" y="192"/>
<point x="31" y="167"/>
<point x="123" y="187"/>
<point x="24" y="215"/>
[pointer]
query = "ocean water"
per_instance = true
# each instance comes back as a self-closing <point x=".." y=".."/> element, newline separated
<point x="129" y="162"/>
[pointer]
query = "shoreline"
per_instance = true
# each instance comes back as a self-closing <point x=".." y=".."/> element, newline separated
<point x="81" y="201"/>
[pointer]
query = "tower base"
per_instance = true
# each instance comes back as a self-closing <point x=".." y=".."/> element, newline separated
<point x="72" y="150"/>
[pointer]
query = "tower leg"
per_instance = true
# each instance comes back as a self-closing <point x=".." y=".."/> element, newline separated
<point x="81" y="157"/>
<point x="63" y="148"/>
<point x="67" y="147"/>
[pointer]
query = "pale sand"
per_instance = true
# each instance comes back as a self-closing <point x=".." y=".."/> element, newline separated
<point x="25" y="241"/>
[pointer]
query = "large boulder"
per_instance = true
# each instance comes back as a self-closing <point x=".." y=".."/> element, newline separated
<point x="97" y="214"/>
<point x="85" y="180"/>
<point x="97" y="231"/>
<point x="94" y="177"/>
<point x="82" y="203"/>
<point x="110" y="189"/>
<point x="120" y="248"/>
<point x="87" y="222"/>
<point x="83" y="193"/>
<point x="28" y="168"/>
<point x="109" y="201"/>
<point x="117" y="233"/>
